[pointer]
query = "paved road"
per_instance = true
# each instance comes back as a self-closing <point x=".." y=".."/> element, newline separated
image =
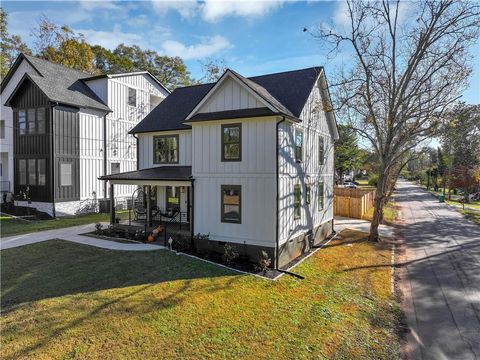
<point x="443" y="287"/>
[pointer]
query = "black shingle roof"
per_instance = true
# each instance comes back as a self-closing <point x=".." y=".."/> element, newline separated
<point x="156" y="173"/>
<point x="286" y="91"/>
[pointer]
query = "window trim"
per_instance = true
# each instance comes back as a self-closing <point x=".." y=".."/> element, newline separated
<point x="297" y="159"/>
<point x="129" y="96"/>
<point x="119" y="166"/>
<point x="321" y="196"/>
<point x="308" y="194"/>
<point x="2" y="129"/>
<point x="299" y="202"/>
<point x="223" y="127"/>
<point x="222" y="205"/>
<point x="154" y="160"/>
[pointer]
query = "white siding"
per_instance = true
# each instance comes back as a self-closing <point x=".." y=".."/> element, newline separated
<point x="145" y="143"/>
<point x="255" y="173"/>
<point x="314" y="124"/>
<point x="230" y="95"/>
<point x="100" y="88"/>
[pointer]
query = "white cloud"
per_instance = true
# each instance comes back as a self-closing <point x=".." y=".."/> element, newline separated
<point x="214" y="10"/>
<point x="91" y="5"/>
<point x="207" y="47"/>
<point x="186" y="9"/>
<point x="110" y="39"/>
<point x="340" y="14"/>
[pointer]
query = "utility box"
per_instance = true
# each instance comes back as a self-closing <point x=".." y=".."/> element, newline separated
<point x="104" y="206"/>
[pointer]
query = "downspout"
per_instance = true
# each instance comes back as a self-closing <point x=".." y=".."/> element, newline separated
<point x="52" y="165"/>
<point x="105" y="155"/>
<point x="277" y="242"/>
<point x="192" y="216"/>
<point x="138" y="147"/>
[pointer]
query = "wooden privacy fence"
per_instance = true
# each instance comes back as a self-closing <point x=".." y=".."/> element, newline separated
<point x="353" y="203"/>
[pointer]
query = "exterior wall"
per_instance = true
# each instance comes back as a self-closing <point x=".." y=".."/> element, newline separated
<point x="314" y="124"/>
<point x="230" y="95"/>
<point x="6" y="113"/>
<point x="255" y="173"/>
<point x="46" y="207"/>
<point x="100" y="88"/>
<point x="145" y="143"/>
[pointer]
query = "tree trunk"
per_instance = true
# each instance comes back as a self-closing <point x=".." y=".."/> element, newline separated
<point x="444" y="179"/>
<point x="378" y="209"/>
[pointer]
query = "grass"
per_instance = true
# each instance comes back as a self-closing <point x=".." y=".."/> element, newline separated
<point x="471" y="204"/>
<point x="11" y="226"/>
<point x="68" y="301"/>
<point x="472" y="215"/>
<point x="389" y="214"/>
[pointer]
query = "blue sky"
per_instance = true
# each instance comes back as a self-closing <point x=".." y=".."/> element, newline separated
<point x="254" y="37"/>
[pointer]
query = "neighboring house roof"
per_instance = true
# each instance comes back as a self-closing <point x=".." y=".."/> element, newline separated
<point x="58" y="83"/>
<point x="286" y="94"/>
<point x="112" y="76"/>
<point x="156" y="173"/>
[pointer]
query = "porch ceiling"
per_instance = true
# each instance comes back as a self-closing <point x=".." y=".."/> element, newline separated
<point x="161" y="175"/>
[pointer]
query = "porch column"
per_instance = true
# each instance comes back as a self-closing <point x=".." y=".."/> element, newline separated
<point x="192" y="204"/>
<point x="112" y="205"/>
<point x="149" y="207"/>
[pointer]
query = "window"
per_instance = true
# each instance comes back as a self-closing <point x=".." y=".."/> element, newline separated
<point x="32" y="172"/>
<point x="231" y="204"/>
<point x="320" y="195"/>
<point x="132" y="97"/>
<point x="173" y="198"/>
<point x="22" y="122"/>
<point x="31" y="121"/>
<point x="41" y="169"/>
<point x="297" y="202"/>
<point x="307" y="195"/>
<point x="298" y="145"/>
<point x="2" y="129"/>
<point x="165" y="149"/>
<point x="321" y="150"/>
<point x="115" y="168"/>
<point x="231" y="142"/>
<point x="66" y="174"/>
<point x="22" y="171"/>
<point x="41" y="121"/>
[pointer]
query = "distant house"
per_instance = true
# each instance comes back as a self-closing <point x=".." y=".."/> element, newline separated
<point x="66" y="128"/>
<point x="248" y="161"/>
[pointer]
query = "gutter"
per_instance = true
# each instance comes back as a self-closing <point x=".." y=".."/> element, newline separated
<point x="277" y="252"/>
<point x="138" y="147"/>
<point x="52" y="165"/>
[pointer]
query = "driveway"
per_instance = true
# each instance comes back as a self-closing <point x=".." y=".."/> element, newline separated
<point x="442" y="284"/>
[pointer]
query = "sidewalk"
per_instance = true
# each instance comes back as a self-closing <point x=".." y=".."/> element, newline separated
<point x="342" y="223"/>
<point x="72" y="234"/>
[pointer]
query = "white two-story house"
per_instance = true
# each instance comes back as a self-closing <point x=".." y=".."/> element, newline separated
<point x="249" y="161"/>
<point x="65" y="128"/>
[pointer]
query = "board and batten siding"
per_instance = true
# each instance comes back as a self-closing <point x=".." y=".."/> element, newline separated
<point x="255" y="173"/>
<point x="314" y="124"/>
<point x="145" y="144"/>
<point x="230" y="95"/>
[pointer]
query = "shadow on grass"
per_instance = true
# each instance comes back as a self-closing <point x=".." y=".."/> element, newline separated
<point x="57" y="268"/>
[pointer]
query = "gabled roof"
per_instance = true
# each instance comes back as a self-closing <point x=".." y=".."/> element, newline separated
<point x="286" y="94"/>
<point x="59" y="83"/>
<point x="112" y="76"/>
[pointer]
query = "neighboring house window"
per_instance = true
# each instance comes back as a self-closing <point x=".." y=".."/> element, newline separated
<point x="299" y="145"/>
<point x="173" y="198"/>
<point x="297" y="201"/>
<point x="231" y="203"/>
<point x="321" y="150"/>
<point x="320" y="195"/>
<point x="41" y="121"/>
<point x="115" y="168"/>
<point x="165" y="149"/>
<point x="2" y="129"/>
<point x="132" y="97"/>
<point x="307" y="195"/>
<point x="22" y="122"/>
<point x="22" y="171"/>
<point x="32" y="172"/>
<point x="41" y="169"/>
<point x="232" y="142"/>
<point x="66" y="174"/>
<point x="31" y="121"/>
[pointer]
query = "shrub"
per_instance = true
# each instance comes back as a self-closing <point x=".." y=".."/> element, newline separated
<point x="98" y="229"/>
<point x="373" y="180"/>
<point x="181" y="243"/>
<point x="264" y="263"/>
<point x="230" y="254"/>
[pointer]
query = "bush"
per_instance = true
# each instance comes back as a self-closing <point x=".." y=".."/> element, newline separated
<point x="264" y="263"/>
<point x="181" y="243"/>
<point x="230" y="254"/>
<point x="373" y="180"/>
<point x="98" y="229"/>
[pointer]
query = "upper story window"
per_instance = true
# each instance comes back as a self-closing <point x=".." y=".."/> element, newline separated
<point x="165" y="149"/>
<point x="31" y="121"/>
<point x="232" y="142"/>
<point x="297" y="202"/>
<point x="132" y="97"/>
<point x="231" y="203"/>
<point x="22" y="122"/>
<point x="115" y="168"/>
<point x="2" y="129"/>
<point x="66" y="178"/>
<point x="321" y="150"/>
<point x="298" y="145"/>
<point x="321" y="189"/>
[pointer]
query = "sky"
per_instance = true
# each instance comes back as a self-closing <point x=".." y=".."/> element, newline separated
<point x="253" y="37"/>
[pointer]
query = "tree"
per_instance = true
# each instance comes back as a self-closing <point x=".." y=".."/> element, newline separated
<point x="348" y="156"/>
<point x="465" y="178"/>
<point x="11" y="45"/>
<point x="212" y="69"/>
<point x="403" y="75"/>
<point x="442" y="167"/>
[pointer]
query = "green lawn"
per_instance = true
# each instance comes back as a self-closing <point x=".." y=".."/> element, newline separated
<point x="472" y="215"/>
<point x="12" y="226"/>
<point x="68" y="301"/>
<point x="389" y="214"/>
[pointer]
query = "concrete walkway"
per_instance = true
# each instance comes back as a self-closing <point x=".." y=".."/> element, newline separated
<point x="342" y="223"/>
<point x="442" y="283"/>
<point x="73" y="234"/>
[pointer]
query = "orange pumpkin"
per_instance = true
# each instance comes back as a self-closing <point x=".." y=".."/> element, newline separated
<point x="150" y="238"/>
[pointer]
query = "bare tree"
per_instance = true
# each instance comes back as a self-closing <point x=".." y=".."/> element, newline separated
<point x="404" y="75"/>
<point x="212" y="69"/>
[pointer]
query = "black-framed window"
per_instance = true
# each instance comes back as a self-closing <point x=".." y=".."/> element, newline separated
<point x="321" y="150"/>
<point x="172" y="198"/>
<point x="31" y="121"/>
<point x="66" y="176"/>
<point x="41" y="172"/>
<point x="297" y="201"/>
<point x="115" y="168"/>
<point x="22" y="172"/>
<point x="308" y="196"/>
<point x="22" y="122"/>
<point x="165" y="149"/>
<point x="132" y="97"/>
<point x="41" y="122"/>
<point x="2" y="129"/>
<point x="32" y="172"/>
<point x="321" y="190"/>
<point x="298" y="145"/>
<point x="231" y="204"/>
<point x="232" y="142"/>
